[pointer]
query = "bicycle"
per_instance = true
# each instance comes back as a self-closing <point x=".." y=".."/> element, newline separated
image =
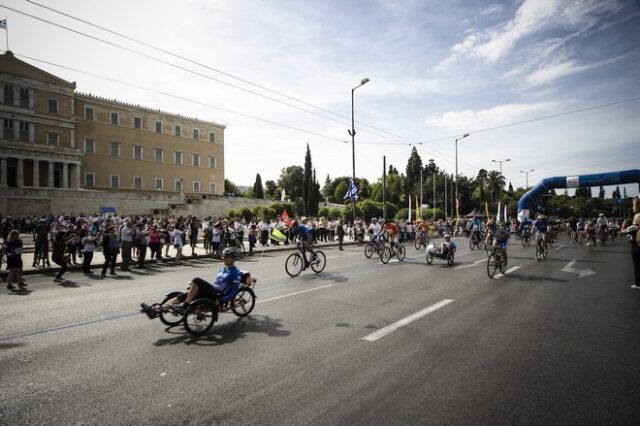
<point x="474" y="240"/>
<point x="541" y="251"/>
<point x="525" y="238"/>
<point x="422" y="240"/>
<point x="295" y="262"/>
<point x="496" y="262"/>
<point x="374" y="245"/>
<point x="389" y="251"/>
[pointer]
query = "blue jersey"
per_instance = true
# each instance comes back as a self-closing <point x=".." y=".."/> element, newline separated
<point x="225" y="278"/>
<point x="540" y="225"/>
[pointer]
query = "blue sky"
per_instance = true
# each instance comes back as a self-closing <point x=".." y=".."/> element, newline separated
<point x="437" y="70"/>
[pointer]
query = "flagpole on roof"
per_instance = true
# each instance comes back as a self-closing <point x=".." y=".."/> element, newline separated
<point x="6" y="28"/>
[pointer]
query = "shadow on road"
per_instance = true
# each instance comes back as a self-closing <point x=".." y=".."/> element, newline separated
<point x="227" y="332"/>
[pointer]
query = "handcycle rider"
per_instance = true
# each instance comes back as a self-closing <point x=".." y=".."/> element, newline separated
<point x="305" y="235"/>
<point x="226" y="284"/>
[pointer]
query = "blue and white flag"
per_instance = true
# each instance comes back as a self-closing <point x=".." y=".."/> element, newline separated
<point x="3" y="24"/>
<point x="352" y="192"/>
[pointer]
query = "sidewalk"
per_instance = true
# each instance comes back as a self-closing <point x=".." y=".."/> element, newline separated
<point x="98" y="258"/>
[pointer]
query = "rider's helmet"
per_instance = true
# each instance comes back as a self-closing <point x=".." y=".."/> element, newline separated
<point x="374" y="220"/>
<point x="601" y="215"/>
<point x="230" y="251"/>
<point x="447" y="237"/>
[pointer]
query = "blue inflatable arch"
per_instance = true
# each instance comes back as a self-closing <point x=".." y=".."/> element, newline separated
<point x="613" y="178"/>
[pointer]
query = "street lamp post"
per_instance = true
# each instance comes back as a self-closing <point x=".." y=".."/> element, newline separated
<point x="526" y="175"/>
<point x="352" y="132"/>
<point x="463" y="136"/>
<point x="501" y="161"/>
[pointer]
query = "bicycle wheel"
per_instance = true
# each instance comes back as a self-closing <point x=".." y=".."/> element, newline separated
<point x="200" y="316"/>
<point x="240" y="247"/>
<point x="170" y="318"/>
<point x="501" y="264"/>
<point x="545" y="253"/>
<point x="524" y="241"/>
<point x="244" y="302"/>
<point x="385" y="255"/>
<point x="492" y="266"/>
<point x="401" y="252"/>
<point x="450" y="257"/>
<point x="538" y="251"/>
<point x="488" y="248"/>
<point x="429" y="258"/>
<point x="293" y="265"/>
<point x="472" y="243"/>
<point x="418" y="242"/>
<point x="318" y="261"/>
<point x="368" y="250"/>
<point x="425" y="241"/>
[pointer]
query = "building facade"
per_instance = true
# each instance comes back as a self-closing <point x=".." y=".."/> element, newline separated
<point x="53" y="137"/>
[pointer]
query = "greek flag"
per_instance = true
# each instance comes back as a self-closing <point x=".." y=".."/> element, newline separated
<point x="352" y="192"/>
<point x="3" y="24"/>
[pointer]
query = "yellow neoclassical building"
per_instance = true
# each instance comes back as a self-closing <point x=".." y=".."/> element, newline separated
<point x="53" y="137"/>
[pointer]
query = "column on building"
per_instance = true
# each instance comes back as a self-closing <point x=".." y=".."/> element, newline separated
<point x="77" y="181"/>
<point x="20" y="173"/>
<point x="36" y="173"/>
<point x="3" y="171"/>
<point x="50" y="181"/>
<point x="65" y="175"/>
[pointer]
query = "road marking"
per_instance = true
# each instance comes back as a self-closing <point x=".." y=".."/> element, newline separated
<point x="295" y="294"/>
<point x="558" y="248"/>
<point x="508" y="271"/>
<point x="405" y="321"/>
<point x="581" y="272"/>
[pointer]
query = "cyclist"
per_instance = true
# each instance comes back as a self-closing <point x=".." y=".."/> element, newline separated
<point x="392" y="231"/>
<point x="227" y="284"/>
<point x="305" y="234"/>
<point x="525" y="227"/>
<point x="374" y="228"/>
<point x="602" y="223"/>
<point x="445" y="245"/>
<point x="474" y="226"/>
<point x="541" y="227"/>
<point x="500" y="238"/>
<point x="590" y="231"/>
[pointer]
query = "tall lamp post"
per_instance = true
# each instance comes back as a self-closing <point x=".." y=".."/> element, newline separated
<point x="463" y="136"/>
<point x="526" y="175"/>
<point x="352" y="132"/>
<point x="501" y="161"/>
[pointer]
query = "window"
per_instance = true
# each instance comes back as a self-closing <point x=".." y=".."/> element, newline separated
<point x="24" y="97"/>
<point x="8" y="94"/>
<point x="196" y="134"/>
<point x="178" y="184"/>
<point x="158" y="126"/>
<point x="196" y="186"/>
<point x="53" y="139"/>
<point x="89" y="179"/>
<point x="195" y="160"/>
<point x="137" y="182"/>
<point x="158" y="184"/>
<point x="89" y="146"/>
<point x="177" y="156"/>
<point x="24" y="131"/>
<point x="178" y="130"/>
<point x="88" y="113"/>
<point x="115" y="149"/>
<point x="137" y="122"/>
<point x="212" y="162"/>
<point x="159" y="154"/>
<point x="212" y="137"/>
<point x="212" y="188"/>
<point x="8" y="129"/>
<point x="53" y="106"/>
<point x="137" y="152"/>
<point x="115" y="118"/>
<point x="115" y="181"/>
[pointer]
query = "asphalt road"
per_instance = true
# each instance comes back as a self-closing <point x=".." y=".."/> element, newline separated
<point x="552" y="342"/>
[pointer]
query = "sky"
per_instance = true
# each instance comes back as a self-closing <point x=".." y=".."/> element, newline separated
<point x="551" y="85"/>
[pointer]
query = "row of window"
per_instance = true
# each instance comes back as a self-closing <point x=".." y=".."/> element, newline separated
<point x="89" y="114"/>
<point x="158" y="183"/>
<point x="158" y="153"/>
<point x="9" y="96"/>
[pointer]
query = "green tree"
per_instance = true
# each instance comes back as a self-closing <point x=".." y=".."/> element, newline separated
<point x="339" y="192"/>
<point x="291" y="180"/>
<point x="414" y="167"/>
<point x="495" y="184"/>
<point x="270" y="190"/>
<point x="231" y="188"/>
<point x="601" y="193"/>
<point x="258" y="191"/>
<point x="307" y="183"/>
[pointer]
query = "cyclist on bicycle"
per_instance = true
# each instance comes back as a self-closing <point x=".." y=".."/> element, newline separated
<point x="392" y="231"/>
<point x="525" y="226"/>
<point x="474" y="226"/>
<point x="500" y="238"/>
<point x="374" y="229"/>
<point x="602" y="224"/>
<point x="226" y="284"/>
<point x="541" y="227"/>
<point x="305" y="235"/>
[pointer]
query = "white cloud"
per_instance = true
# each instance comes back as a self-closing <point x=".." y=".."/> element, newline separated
<point x="469" y="120"/>
<point x="492" y="10"/>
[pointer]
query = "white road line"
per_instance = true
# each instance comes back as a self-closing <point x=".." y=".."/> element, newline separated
<point x="508" y="271"/>
<point x="558" y="248"/>
<point x="405" y="321"/>
<point x="470" y="265"/>
<point x="294" y="294"/>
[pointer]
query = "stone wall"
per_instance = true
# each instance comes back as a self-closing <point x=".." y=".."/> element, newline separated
<point x="42" y="201"/>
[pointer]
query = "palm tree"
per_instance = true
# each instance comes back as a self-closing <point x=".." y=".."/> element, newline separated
<point x="495" y="183"/>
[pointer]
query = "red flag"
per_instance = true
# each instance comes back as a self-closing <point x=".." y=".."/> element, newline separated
<point x="285" y="218"/>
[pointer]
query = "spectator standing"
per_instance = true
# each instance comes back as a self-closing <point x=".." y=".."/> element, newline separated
<point x="126" y="241"/>
<point x="633" y="233"/>
<point x="13" y="247"/>
<point x="88" y="246"/>
<point x="59" y="253"/>
<point x="142" y="241"/>
<point x="194" y="225"/>
<point x="340" y="232"/>
<point x="176" y="238"/>
<point x="41" y="239"/>
<point x="155" y="243"/>
<point x="110" y="249"/>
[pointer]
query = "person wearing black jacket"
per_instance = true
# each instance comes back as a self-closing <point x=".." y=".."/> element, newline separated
<point x="110" y="249"/>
